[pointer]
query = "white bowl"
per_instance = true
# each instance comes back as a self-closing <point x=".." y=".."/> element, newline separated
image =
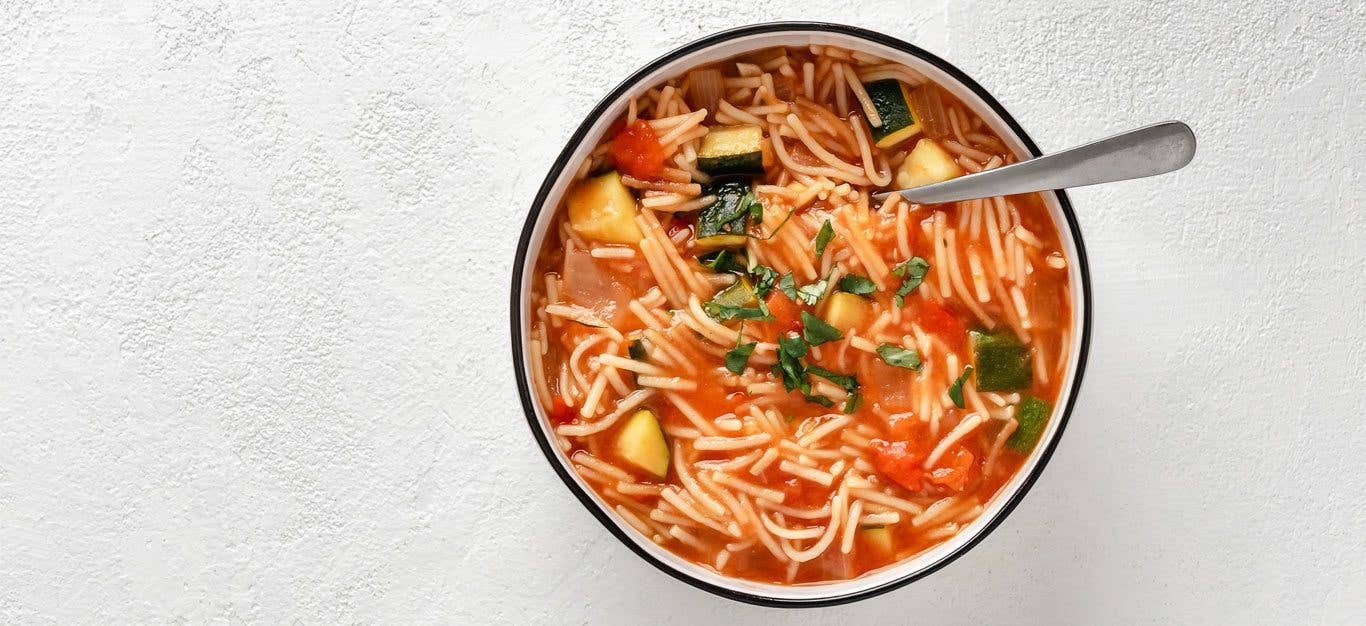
<point x="720" y="46"/>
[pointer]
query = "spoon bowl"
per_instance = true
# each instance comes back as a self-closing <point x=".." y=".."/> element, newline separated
<point x="1139" y="153"/>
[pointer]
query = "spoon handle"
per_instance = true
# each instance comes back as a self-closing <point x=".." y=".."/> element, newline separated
<point x="1141" y="152"/>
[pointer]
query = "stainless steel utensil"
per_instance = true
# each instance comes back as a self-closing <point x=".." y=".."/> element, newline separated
<point x="1138" y="153"/>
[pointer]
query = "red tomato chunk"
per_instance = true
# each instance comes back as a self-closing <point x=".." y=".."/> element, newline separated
<point x="637" y="151"/>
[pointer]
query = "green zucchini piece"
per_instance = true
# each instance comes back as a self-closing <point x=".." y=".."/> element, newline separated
<point x="641" y="441"/>
<point x="893" y="106"/>
<point x="927" y="163"/>
<point x="732" y="150"/>
<point x="1001" y="362"/>
<point x="1032" y="415"/>
<point x="847" y="311"/>
<point x="739" y="294"/>
<point x="725" y="223"/>
<point x="603" y="209"/>
<point x="879" y="538"/>
<point x="716" y="242"/>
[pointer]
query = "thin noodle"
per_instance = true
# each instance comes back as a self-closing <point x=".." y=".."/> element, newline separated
<point x="731" y="443"/>
<point x="626" y="404"/>
<point x="691" y="414"/>
<point x="861" y="95"/>
<point x="972" y="421"/>
<point x="838" y="503"/>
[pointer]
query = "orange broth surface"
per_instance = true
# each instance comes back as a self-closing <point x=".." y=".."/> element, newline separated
<point x="750" y="490"/>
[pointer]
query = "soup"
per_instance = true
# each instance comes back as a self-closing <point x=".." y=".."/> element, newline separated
<point x="761" y="369"/>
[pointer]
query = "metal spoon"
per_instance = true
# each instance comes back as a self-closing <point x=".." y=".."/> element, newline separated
<point x="1141" y="152"/>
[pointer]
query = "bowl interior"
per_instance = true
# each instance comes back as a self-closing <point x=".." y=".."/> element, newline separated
<point x="720" y="48"/>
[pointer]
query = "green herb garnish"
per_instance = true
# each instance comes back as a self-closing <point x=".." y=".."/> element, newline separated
<point x="956" y="389"/>
<point x="806" y="294"/>
<point x="764" y="278"/>
<point x="787" y="284"/>
<point x="755" y="208"/>
<point x="845" y="381"/>
<point x="722" y="261"/>
<point x="823" y="238"/>
<point x="636" y="350"/>
<point x="789" y="367"/>
<point x="796" y="375"/>
<point x="912" y="273"/>
<point x="722" y="312"/>
<point x="853" y="403"/>
<point x="857" y="285"/>
<point x="731" y="213"/>
<point x="816" y="331"/>
<point x="813" y="292"/>
<point x="780" y="225"/>
<point x="819" y="399"/>
<point x="738" y="357"/>
<point x="899" y="357"/>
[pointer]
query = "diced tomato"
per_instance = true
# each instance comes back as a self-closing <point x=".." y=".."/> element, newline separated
<point x="637" y="151"/>
<point x="786" y="313"/>
<point x="561" y="413"/>
<point x="905" y="426"/>
<point x="939" y="319"/>
<point x="900" y="461"/>
<point x="955" y="469"/>
<point x="902" y="458"/>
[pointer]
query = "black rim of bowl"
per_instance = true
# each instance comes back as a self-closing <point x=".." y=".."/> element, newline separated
<point x="580" y="134"/>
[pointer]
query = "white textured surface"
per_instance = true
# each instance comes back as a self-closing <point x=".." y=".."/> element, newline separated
<point x="253" y="338"/>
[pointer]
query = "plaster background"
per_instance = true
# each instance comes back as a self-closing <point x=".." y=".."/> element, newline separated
<point x="253" y="340"/>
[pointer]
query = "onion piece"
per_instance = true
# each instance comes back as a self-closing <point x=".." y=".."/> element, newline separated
<point x="704" y="89"/>
<point x="929" y="111"/>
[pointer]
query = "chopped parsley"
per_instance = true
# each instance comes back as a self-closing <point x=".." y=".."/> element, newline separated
<point x="764" y="278"/>
<point x="845" y="381"/>
<point x="796" y="375"/>
<point x="738" y="357"/>
<point x="780" y="225"/>
<point x="730" y="214"/>
<point x="723" y="312"/>
<point x="899" y="357"/>
<point x="912" y="273"/>
<point x="956" y="389"/>
<point x="823" y="238"/>
<point x="819" y="399"/>
<point x="789" y="367"/>
<point x="754" y="207"/>
<point x="816" y="331"/>
<point x="853" y="403"/>
<point x="787" y="284"/>
<point x="806" y="294"/>
<point x="813" y="292"/>
<point x="857" y="285"/>
<point x="722" y="261"/>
